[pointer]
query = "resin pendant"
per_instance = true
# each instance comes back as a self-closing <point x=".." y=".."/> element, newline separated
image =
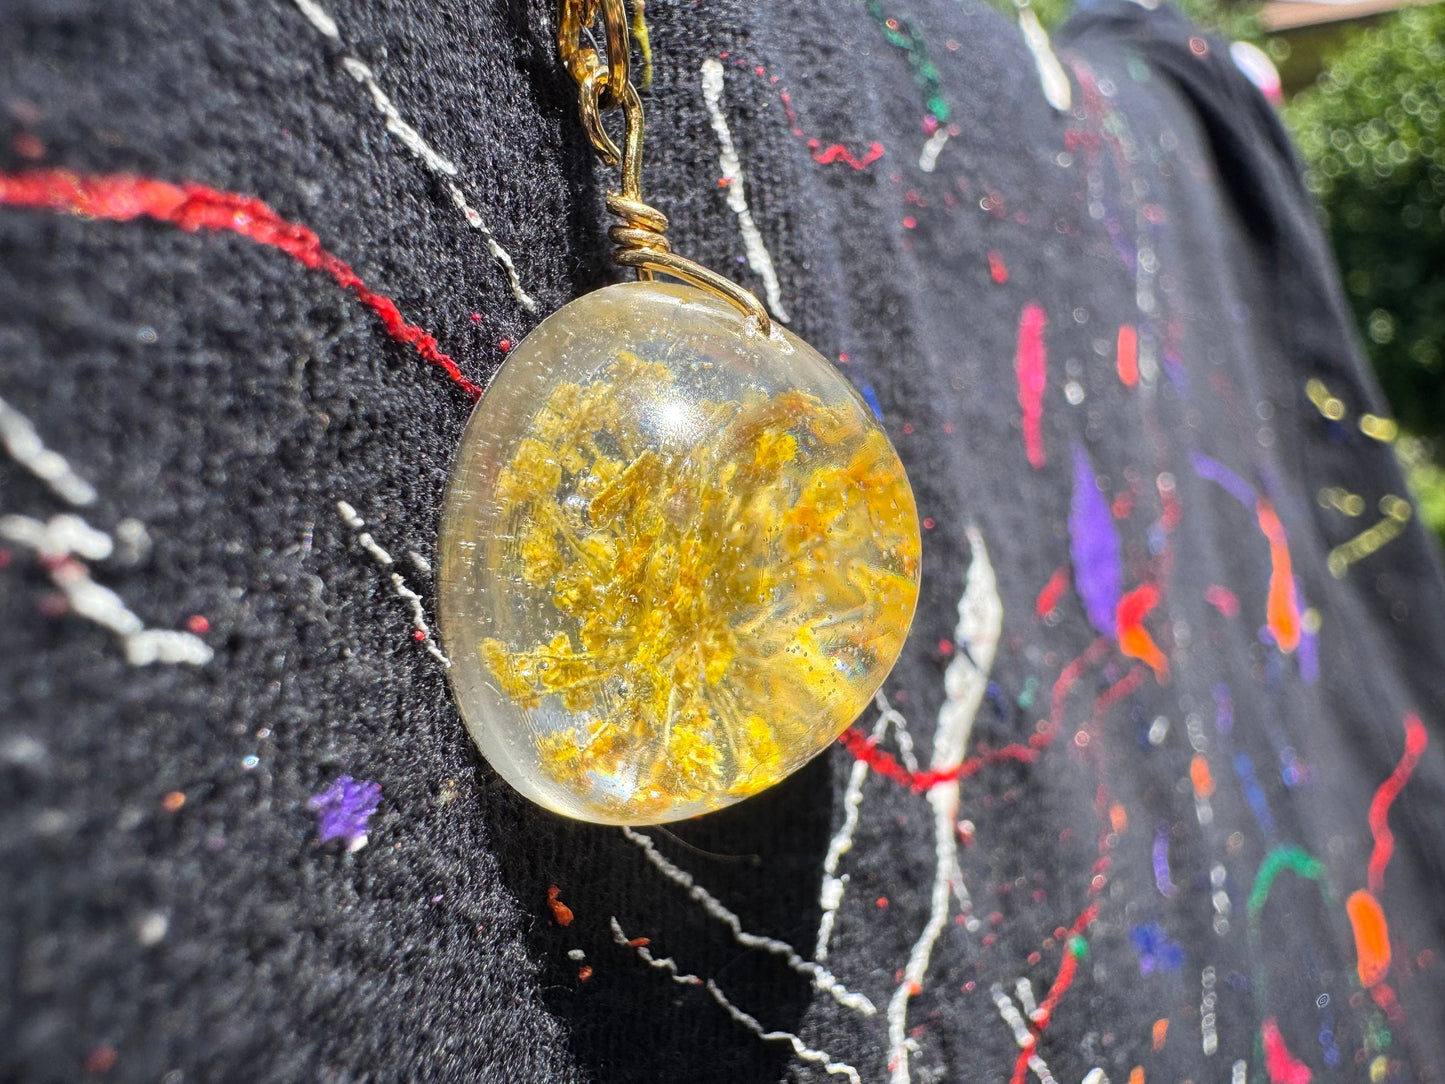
<point x="677" y="558"/>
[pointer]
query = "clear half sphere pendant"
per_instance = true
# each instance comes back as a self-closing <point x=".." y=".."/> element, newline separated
<point x="678" y="558"/>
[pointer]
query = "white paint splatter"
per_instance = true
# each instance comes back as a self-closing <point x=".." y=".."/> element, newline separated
<point x="800" y="1049"/>
<point x="928" y="157"/>
<point x="822" y="978"/>
<point x="1052" y="79"/>
<point x="1022" y="1035"/>
<point x="732" y="176"/>
<point x="25" y="446"/>
<point x="64" y="535"/>
<point x="403" y="591"/>
<point x="444" y="169"/>
<point x="980" y="621"/>
<point x="319" y="19"/>
<point x="830" y="894"/>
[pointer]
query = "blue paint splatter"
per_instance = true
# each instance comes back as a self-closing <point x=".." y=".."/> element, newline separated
<point x="871" y="398"/>
<point x="1157" y="950"/>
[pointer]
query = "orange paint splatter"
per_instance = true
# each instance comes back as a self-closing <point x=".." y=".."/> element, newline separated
<point x="1372" y="936"/>
<point x="1200" y="777"/>
<point x="584" y="972"/>
<point x="1118" y="818"/>
<point x="1282" y="608"/>
<point x="561" y="913"/>
<point x="1128" y="357"/>
<point x="1161" y="1032"/>
<point x="1134" y="638"/>
<point x="1136" y="1075"/>
<point x="173" y="801"/>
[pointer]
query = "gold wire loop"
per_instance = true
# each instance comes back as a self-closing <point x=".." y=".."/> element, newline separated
<point x="601" y="89"/>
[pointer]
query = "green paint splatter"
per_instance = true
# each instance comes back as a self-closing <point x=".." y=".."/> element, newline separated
<point x="1030" y="692"/>
<point x="901" y="34"/>
<point x="1287" y="858"/>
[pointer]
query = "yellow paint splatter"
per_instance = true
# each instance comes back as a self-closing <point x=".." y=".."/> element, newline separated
<point x="1396" y="512"/>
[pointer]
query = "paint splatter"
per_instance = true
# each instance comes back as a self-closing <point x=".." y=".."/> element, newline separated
<point x="839" y="153"/>
<point x="1416" y="738"/>
<point x="1372" y="937"/>
<point x="1282" y="613"/>
<point x="561" y="913"/>
<point x="1222" y="599"/>
<point x="1134" y="638"/>
<point x="1127" y="361"/>
<point x="1094" y="547"/>
<point x="1282" y="1066"/>
<point x="1053" y="591"/>
<point x="343" y="809"/>
<point x="193" y="207"/>
<point x="1157" y="950"/>
<point x="1031" y="368"/>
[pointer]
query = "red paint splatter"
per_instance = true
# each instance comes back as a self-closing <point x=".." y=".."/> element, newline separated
<point x="198" y="624"/>
<point x="1222" y="599"/>
<point x="1053" y="591"/>
<point x="101" y="1060"/>
<point x="1282" y="607"/>
<point x="839" y="153"/>
<point x="1128" y="356"/>
<point x="1134" y="638"/>
<point x="1074" y="950"/>
<point x="192" y="207"/>
<point x="863" y="747"/>
<point x="1031" y="367"/>
<point x="997" y="269"/>
<point x="1282" y="1066"/>
<point x="28" y="146"/>
<point x="561" y="913"/>
<point x="1416" y="738"/>
<point x="505" y="346"/>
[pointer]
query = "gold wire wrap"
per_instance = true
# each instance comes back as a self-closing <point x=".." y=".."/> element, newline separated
<point x="603" y="87"/>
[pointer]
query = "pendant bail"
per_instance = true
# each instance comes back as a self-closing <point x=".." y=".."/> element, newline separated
<point x="601" y="89"/>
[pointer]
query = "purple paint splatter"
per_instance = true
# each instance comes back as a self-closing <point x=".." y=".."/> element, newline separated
<point x="1167" y="888"/>
<point x="343" y="809"/>
<point x="1217" y="472"/>
<point x="1094" y="547"/>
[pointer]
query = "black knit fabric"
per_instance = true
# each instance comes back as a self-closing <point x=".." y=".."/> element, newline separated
<point x="1202" y="817"/>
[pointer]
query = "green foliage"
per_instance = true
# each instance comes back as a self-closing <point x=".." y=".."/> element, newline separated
<point x="1426" y="479"/>
<point x="1372" y="132"/>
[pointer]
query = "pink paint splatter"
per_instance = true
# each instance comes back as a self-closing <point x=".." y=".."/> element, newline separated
<point x="1222" y="599"/>
<point x="1282" y="1066"/>
<point x="1031" y="367"/>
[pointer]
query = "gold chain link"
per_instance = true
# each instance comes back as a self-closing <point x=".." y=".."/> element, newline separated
<point x="601" y="88"/>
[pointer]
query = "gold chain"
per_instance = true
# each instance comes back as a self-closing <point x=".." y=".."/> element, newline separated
<point x="601" y="88"/>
